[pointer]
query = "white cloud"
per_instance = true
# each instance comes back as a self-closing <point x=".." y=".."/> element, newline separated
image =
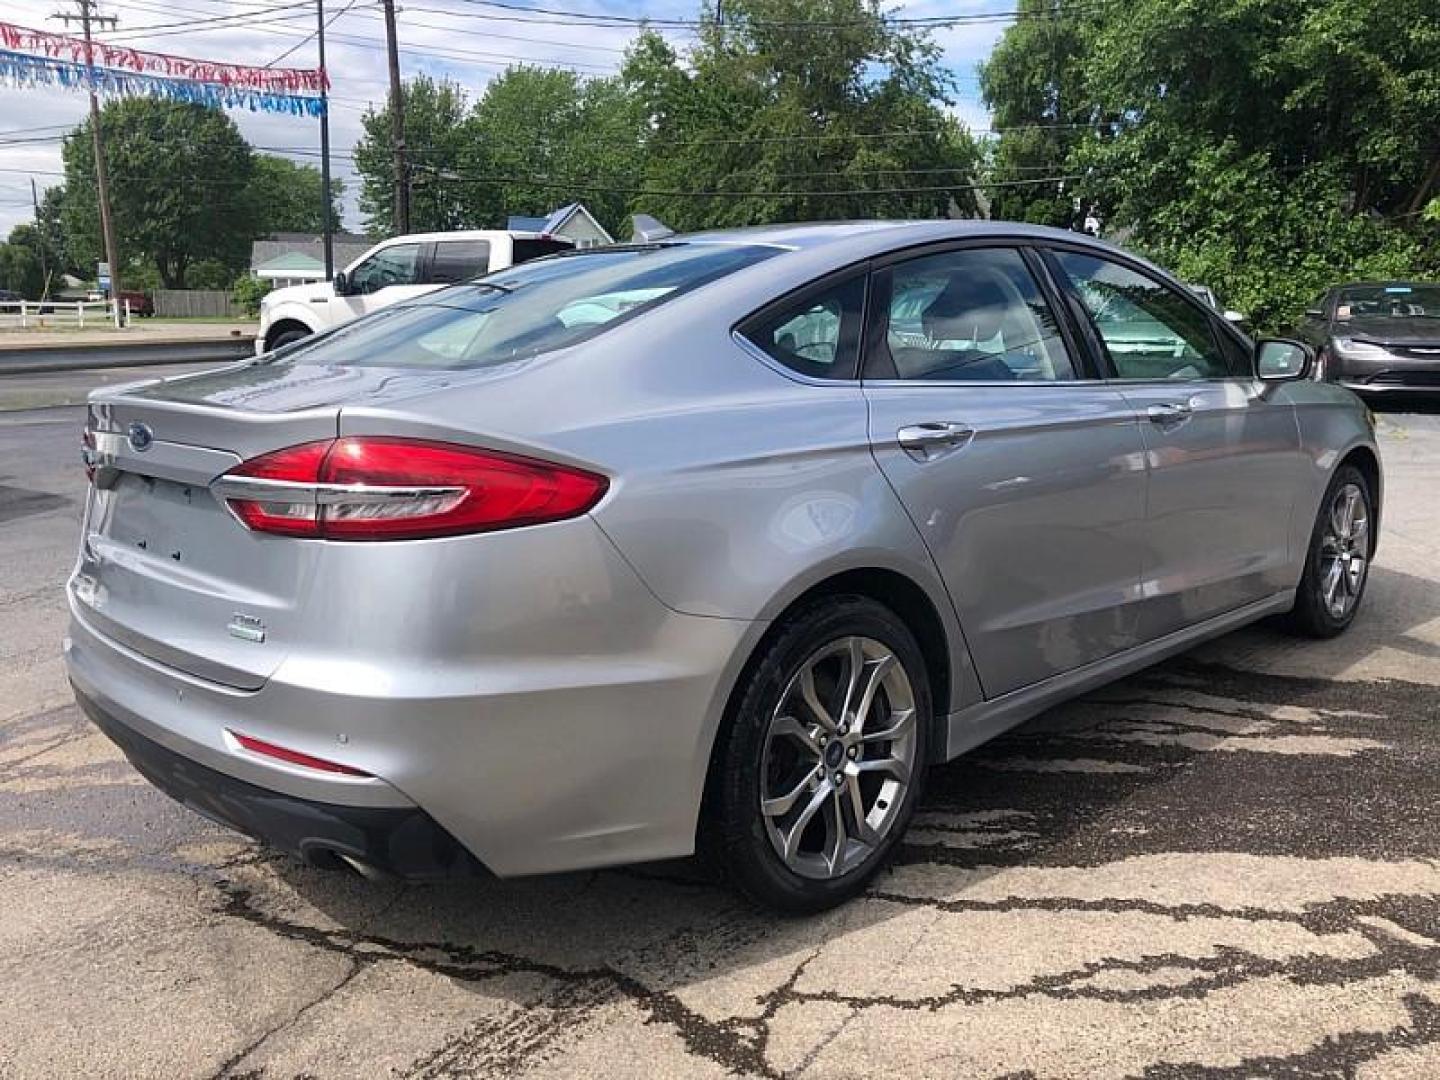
<point x="442" y="38"/>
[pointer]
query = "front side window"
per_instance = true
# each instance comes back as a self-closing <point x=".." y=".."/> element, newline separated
<point x="972" y="315"/>
<point x="395" y="265"/>
<point x="1149" y="330"/>
<point x="459" y="260"/>
<point x="818" y="335"/>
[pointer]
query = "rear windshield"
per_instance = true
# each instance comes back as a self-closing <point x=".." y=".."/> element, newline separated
<point x="525" y="250"/>
<point x="525" y="310"/>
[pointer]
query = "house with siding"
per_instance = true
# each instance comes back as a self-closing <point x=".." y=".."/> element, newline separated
<point x="573" y="222"/>
<point x="291" y="258"/>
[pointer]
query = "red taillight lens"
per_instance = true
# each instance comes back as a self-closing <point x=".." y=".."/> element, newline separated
<point x="363" y="488"/>
<point x="294" y="757"/>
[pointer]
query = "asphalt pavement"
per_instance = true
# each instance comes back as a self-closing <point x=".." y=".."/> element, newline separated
<point x="1226" y="866"/>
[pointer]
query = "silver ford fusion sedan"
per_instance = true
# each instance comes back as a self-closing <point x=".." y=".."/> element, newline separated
<point x="719" y="541"/>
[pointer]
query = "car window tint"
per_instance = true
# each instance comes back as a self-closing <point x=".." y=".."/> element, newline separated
<point x="525" y="250"/>
<point x="459" y="260"/>
<point x="818" y="335"/>
<point x="524" y="311"/>
<point x="1149" y="329"/>
<point x="973" y="315"/>
<point x="397" y="265"/>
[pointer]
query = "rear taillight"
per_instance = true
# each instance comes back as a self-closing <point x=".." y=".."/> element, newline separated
<point x="363" y="488"/>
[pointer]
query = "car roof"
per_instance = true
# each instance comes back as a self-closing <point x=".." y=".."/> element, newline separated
<point x="469" y="234"/>
<point x="810" y="235"/>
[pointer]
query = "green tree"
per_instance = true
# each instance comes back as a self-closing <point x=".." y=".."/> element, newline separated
<point x="1032" y="85"/>
<point x="178" y="174"/>
<point x="286" y="197"/>
<point x="786" y="121"/>
<point x="1266" y="147"/>
<point x="434" y="138"/>
<point x="539" y="138"/>
<point x="20" y="265"/>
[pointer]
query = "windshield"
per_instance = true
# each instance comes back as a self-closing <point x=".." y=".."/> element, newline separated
<point x="1389" y="301"/>
<point x="526" y="310"/>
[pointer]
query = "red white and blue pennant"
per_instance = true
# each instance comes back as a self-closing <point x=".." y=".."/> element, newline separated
<point x="68" y="63"/>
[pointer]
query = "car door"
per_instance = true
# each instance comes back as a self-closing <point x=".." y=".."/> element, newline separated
<point x="385" y="276"/>
<point x="1023" y="472"/>
<point x="1222" y="449"/>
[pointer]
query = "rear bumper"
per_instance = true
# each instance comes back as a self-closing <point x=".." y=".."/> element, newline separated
<point x="546" y="723"/>
<point x="393" y="841"/>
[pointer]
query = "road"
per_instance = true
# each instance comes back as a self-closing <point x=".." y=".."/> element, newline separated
<point x="1227" y="866"/>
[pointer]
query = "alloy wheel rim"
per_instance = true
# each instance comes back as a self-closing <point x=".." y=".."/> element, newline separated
<point x="1344" y="551"/>
<point x="838" y="759"/>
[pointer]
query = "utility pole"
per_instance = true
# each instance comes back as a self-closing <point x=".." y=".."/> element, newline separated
<point x="87" y="17"/>
<point x="325" y="230"/>
<point x="397" y="124"/>
<point x="40" y="228"/>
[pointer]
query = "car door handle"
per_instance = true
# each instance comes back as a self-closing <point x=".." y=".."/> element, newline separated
<point x="927" y="441"/>
<point x="1169" y="412"/>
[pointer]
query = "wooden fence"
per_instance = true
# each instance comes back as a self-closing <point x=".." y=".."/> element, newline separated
<point x="192" y="303"/>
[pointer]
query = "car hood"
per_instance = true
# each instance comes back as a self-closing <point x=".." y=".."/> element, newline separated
<point x="1391" y="330"/>
<point x="300" y="294"/>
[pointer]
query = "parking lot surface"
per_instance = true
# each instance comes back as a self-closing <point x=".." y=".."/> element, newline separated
<point x="1227" y="866"/>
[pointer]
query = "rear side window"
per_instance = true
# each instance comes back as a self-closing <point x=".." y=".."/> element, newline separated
<point x="525" y="250"/>
<point x="1149" y="330"/>
<point x="970" y="315"/>
<point x="817" y="335"/>
<point x="459" y="260"/>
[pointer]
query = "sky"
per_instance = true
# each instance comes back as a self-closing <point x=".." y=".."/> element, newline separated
<point x="467" y="41"/>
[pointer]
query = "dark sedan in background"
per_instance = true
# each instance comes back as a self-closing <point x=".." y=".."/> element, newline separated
<point x="1377" y="336"/>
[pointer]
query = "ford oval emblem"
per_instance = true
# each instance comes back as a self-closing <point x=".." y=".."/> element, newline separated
<point x="141" y="437"/>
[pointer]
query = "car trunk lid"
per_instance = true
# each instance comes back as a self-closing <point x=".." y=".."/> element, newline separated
<point x="165" y="569"/>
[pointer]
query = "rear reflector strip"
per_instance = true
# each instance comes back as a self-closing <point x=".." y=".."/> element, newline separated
<point x="293" y="757"/>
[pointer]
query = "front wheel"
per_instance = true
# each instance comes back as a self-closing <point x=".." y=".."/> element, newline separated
<point x="287" y="337"/>
<point x="824" y="756"/>
<point x="1337" y="565"/>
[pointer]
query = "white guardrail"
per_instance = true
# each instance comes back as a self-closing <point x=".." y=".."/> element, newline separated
<point x="35" y="314"/>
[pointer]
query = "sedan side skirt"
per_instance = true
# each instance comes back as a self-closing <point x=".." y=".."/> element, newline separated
<point x="983" y="721"/>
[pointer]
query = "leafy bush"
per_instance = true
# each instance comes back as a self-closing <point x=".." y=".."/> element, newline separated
<point x="249" y="291"/>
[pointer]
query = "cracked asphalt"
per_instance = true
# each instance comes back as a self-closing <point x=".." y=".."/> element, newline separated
<point x="1226" y="866"/>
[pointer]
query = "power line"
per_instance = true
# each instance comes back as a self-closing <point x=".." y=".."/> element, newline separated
<point x="236" y="21"/>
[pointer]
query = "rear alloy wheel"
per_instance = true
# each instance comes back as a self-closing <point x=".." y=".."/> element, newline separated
<point x="1338" y="563"/>
<point x="825" y="756"/>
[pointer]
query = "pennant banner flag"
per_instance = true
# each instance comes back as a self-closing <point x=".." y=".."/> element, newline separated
<point x="283" y="81"/>
<point x="21" y="69"/>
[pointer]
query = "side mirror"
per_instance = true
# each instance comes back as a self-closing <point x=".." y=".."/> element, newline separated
<point x="1280" y="360"/>
<point x="340" y="283"/>
<point x="1230" y="315"/>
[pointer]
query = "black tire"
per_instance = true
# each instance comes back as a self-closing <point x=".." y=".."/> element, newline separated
<point x="735" y="831"/>
<point x="285" y="338"/>
<point x="1312" y="616"/>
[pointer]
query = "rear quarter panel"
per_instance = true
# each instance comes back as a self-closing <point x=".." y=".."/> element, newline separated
<point x="1333" y="423"/>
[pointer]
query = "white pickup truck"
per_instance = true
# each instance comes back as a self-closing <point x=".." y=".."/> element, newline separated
<point x="394" y="270"/>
